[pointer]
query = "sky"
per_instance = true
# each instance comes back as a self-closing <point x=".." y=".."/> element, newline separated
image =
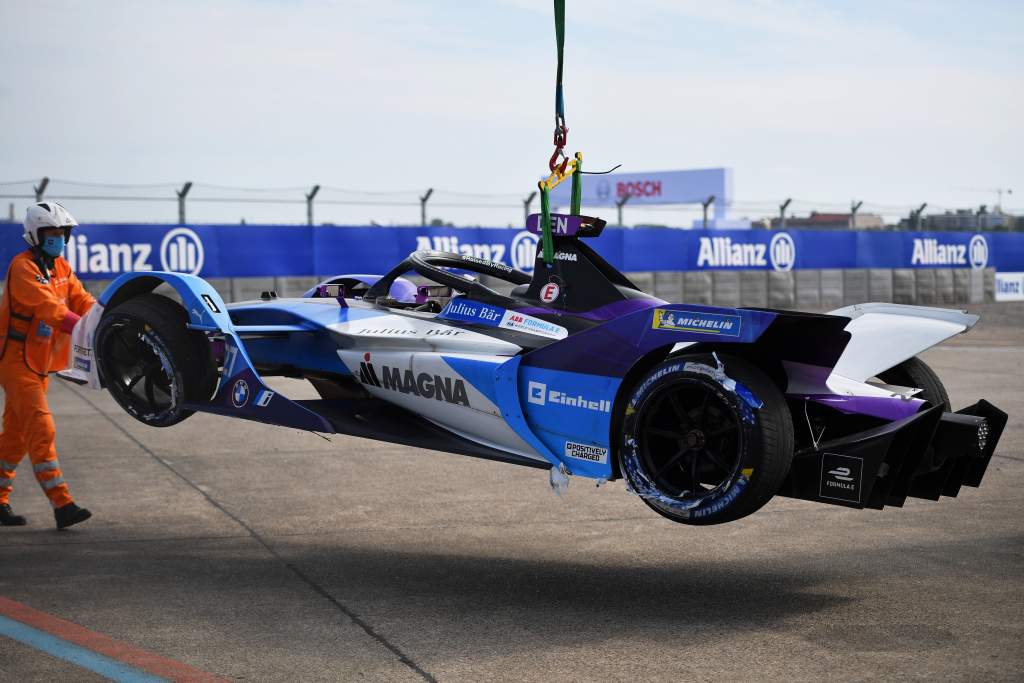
<point x="894" y="103"/>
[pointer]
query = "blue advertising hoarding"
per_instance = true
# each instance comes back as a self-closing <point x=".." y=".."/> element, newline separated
<point x="102" y="251"/>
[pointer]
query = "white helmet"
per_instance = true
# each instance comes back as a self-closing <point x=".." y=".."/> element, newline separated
<point x="46" y="215"/>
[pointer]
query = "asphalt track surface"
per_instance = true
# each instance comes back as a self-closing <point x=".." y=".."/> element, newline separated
<point x="262" y="553"/>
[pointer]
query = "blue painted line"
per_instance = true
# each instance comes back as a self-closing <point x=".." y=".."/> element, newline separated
<point x="69" y="652"/>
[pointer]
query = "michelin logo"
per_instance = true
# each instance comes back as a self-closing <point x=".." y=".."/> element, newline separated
<point x="692" y="321"/>
<point x="584" y="451"/>
<point x="181" y="251"/>
<point x="929" y="251"/>
<point x="539" y="394"/>
<point x="723" y="252"/>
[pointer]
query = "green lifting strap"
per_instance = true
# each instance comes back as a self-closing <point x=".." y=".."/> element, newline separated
<point x="547" y="243"/>
<point x="577" y="185"/>
<point x="560" y="42"/>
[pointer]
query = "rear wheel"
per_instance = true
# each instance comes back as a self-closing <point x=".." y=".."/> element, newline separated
<point x="706" y="442"/>
<point x="150" y="362"/>
<point x="915" y="373"/>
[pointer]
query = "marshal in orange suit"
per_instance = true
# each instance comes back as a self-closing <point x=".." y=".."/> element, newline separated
<point x="42" y="301"/>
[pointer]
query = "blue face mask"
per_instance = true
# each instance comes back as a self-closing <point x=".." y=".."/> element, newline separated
<point x="53" y="245"/>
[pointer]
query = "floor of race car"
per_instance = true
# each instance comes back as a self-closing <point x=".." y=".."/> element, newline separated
<point x="252" y="552"/>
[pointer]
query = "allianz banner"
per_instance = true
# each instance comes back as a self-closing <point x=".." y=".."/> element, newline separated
<point x="103" y="251"/>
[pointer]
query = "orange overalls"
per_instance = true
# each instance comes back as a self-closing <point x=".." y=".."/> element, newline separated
<point x="40" y="306"/>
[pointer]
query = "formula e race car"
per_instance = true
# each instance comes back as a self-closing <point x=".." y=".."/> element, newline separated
<point x="707" y="412"/>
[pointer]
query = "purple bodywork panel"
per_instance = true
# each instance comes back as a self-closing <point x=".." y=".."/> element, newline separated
<point x="884" y="407"/>
<point x="612" y="348"/>
<point x="607" y="312"/>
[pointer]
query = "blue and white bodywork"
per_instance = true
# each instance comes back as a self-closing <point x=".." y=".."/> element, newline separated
<point x="548" y="373"/>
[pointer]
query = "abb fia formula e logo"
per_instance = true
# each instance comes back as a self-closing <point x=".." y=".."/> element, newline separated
<point x="725" y="252"/>
<point x="180" y="251"/>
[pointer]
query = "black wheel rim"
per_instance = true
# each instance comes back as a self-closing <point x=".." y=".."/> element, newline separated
<point x="137" y="370"/>
<point x="691" y="441"/>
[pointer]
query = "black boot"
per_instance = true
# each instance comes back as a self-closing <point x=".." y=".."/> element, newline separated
<point x="70" y="514"/>
<point x="8" y="518"/>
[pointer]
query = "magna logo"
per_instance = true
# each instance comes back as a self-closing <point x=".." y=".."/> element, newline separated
<point x="422" y="385"/>
<point x="929" y="251"/>
<point x="181" y="251"/>
<point x="723" y="252"/>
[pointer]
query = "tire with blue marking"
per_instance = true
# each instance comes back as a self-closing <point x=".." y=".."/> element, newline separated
<point x="151" y="363"/>
<point x="706" y="439"/>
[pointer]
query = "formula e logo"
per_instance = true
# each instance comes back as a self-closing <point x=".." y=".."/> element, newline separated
<point x="181" y="251"/>
<point x="782" y="251"/>
<point x="841" y="473"/>
<point x="524" y="251"/>
<point x="978" y="250"/>
<point x="240" y="393"/>
<point x="841" y="477"/>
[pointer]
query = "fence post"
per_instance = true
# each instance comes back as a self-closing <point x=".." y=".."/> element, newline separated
<point x="423" y="206"/>
<point x="309" y="204"/>
<point x="41" y="188"/>
<point x="782" y="213"/>
<point x="182" y="193"/>
<point x="705" y="204"/>
<point x="619" y="204"/>
<point x="915" y="216"/>
<point x="526" y="207"/>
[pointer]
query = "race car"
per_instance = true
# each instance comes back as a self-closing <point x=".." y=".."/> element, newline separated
<point x="706" y="412"/>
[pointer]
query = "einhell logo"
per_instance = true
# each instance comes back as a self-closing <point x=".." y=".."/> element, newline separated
<point x="423" y="385"/>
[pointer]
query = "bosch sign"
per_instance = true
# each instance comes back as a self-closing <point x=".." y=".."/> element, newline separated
<point x="638" y="188"/>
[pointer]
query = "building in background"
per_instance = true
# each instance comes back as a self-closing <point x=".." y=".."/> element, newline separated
<point x="963" y="219"/>
<point x="831" y="221"/>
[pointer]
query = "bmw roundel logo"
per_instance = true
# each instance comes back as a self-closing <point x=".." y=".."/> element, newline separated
<point x="782" y="252"/>
<point x="524" y="251"/>
<point x="977" y="252"/>
<point x="240" y="393"/>
<point x="181" y="251"/>
<point x="604" y="190"/>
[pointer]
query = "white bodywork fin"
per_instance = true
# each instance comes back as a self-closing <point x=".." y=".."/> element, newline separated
<point x="884" y="335"/>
